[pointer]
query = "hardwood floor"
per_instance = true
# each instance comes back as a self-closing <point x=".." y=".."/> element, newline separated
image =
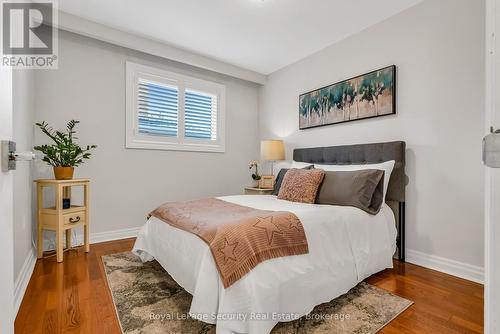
<point x="72" y="297"/>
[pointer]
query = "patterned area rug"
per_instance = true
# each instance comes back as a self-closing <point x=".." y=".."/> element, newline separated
<point x="148" y="300"/>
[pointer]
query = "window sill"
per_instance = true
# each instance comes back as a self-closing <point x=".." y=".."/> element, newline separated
<point x="166" y="146"/>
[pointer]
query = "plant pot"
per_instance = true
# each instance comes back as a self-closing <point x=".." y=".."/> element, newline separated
<point x="64" y="173"/>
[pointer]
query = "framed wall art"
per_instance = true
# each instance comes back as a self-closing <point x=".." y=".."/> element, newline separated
<point x="368" y="95"/>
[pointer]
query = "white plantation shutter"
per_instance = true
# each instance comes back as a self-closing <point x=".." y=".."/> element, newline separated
<point x="200" y="115"/>
<point x="170" y="111"/>
<point x="158" y="109"/>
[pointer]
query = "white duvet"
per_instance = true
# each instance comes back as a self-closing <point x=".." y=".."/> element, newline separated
<point x="346" y="245"/>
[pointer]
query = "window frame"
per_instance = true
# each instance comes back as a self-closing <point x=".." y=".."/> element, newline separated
<point x="136" y="140"/>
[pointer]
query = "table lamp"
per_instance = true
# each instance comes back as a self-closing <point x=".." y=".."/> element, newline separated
<point x="271" y="150"/>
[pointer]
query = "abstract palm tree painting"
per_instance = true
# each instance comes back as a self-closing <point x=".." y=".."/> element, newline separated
<point x="369" y="95"/>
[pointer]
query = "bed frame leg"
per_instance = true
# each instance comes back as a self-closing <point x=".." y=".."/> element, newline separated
<point x="401" y="239"/>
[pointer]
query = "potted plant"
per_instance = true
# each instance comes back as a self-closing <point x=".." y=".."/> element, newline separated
<point x="255" y="175"/>
<point x="64" y="155"/>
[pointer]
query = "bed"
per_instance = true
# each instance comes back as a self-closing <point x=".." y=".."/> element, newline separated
<point x="346" y="245"/>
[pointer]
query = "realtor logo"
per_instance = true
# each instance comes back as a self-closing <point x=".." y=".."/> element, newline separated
<point x="29" y="39"/>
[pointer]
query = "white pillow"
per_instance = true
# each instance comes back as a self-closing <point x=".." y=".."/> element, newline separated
<point x="386" y="166"/>
<point x="289" y="164"/>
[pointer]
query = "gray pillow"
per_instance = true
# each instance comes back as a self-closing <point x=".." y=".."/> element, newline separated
<point x="363" y="189"/>
<point x="279" y="179"/>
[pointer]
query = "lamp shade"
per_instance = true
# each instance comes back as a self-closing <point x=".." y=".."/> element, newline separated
<point x="272" y="150"/>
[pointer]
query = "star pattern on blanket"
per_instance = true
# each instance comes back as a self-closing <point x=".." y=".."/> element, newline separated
<point x="266" y="223"/>
<point x="228" y="250"/>
<point x="294" y="223"/>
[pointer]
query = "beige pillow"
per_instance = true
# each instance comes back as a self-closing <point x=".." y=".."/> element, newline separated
<point x="301" y="185"/>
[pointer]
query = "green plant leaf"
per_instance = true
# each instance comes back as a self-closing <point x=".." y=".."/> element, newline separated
<point x="64" y="152"/>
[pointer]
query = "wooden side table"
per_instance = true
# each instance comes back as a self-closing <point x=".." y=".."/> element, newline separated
<point x="62" y="220"/>
<point x="257" y="191"/>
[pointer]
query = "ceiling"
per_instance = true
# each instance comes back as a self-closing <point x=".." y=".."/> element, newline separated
<point x="259" y="35"/>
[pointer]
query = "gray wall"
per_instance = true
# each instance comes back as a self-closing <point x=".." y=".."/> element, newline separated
<point x="437" y="47"/>
<point x="23" y="114"/>
<point x="126" y="184"/>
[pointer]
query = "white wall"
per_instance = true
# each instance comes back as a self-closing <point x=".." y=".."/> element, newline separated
<point x="126" y="184"/>
<point x="23" y="106"/>
<point x="438" y="48"/>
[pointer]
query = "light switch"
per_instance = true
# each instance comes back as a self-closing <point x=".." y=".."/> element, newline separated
<point x="10" y="156"/>
<point x="8" y="162"/>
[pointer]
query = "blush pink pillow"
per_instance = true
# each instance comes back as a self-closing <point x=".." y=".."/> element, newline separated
<point x="301" y="185"/>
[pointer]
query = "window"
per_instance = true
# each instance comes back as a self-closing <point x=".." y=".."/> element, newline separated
<point x="170" y="111"/>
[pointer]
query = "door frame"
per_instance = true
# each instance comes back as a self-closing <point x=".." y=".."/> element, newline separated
<point x="6" y="211"/>
<point x="491" y="213"/>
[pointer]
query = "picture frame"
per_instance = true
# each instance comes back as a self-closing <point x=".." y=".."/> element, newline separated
<point x="266" y="182"/>
<point x="364" y="96"/>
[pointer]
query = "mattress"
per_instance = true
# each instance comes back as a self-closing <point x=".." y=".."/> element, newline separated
<point x="346" y="245"/>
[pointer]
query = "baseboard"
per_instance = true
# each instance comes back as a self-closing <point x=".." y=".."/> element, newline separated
<point x="114" y="235"/>
<point x="23" y="279"/>
<point x="49" y="243"/>
<point x="107" y="236"/>
<point x="452" y="267"/>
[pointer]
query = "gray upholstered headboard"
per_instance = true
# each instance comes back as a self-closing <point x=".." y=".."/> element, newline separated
<point x="363" y="154"/>
<point x="366" y="154"/>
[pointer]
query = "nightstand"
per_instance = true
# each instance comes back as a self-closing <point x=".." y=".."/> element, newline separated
<point x="62" y="220"/>
<point x="257" y="191"/>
